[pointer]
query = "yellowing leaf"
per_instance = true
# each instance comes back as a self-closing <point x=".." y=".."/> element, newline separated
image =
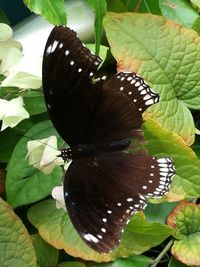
<point x="185" y="219"/>
<point x="16" y="248"/>
<point x="167" y="55"/>
<point x="56" y="228"/>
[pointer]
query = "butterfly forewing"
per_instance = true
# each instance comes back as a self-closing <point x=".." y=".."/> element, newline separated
<point x="68" y="89"/>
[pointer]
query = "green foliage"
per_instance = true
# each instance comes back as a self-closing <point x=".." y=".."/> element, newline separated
<point x="185" y="219"/>
<point x="16" y="248"/>
<point x="46" y="254"/>
<point x="100" y="9"/>
<point x="160" y="41"/>
<point x="55" y="227"/>
<point x="24" y="183"/>
<point x="53" y="11"/>
<point x="180" y="11"/>
<point x="165" y="65"/>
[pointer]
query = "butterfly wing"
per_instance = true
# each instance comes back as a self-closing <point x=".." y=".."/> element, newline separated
<point x="84" y="112"/>
<point x="118" y="114"/>
<point x="102" y="193"/>
<point x="68" y="89"/>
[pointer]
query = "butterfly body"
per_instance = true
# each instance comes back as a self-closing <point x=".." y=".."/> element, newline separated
<point x="111" y="173"/>
<point x="92" y="150"/>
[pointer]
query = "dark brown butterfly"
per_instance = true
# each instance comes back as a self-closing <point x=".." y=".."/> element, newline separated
<point x="109" y="177"/>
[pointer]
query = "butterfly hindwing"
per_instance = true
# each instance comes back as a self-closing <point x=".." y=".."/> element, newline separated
<point x="102" y="193"/>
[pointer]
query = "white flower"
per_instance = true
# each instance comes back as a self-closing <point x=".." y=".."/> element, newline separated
<point x="23" y="71"/>
<point x="26" y="74"/>
<point x="10" y="50"/>
<point x="12" y="112"/>
<point x="43" y="154"/>
<point x="58" y="195"/>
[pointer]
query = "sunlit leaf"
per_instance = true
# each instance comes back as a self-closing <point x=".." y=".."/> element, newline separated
<point x="168" y="57"/>
<point x="55" y="227"/>
<point x="53" y="11"/>
<point x="186" y="183"/>
<point x="180" y="11"/>
<point x="16" y="248"/>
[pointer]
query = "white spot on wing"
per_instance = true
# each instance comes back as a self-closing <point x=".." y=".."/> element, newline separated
<point x="90" y="237"/>
<point x="54" y="45"/>
<point x="66" y="52"/>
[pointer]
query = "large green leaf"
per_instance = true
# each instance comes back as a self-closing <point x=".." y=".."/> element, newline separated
<point x="55" y="227"/>
<point x="16" y="248"/>
<point x="53" y="11"/>
<point x="180" y="11"/>
<point x="186" y="183"/>
<point x="168" y="57"/>
<point x="185" y="219"/>
<point x="25" y="184"/>
<point x="47" y="255"/>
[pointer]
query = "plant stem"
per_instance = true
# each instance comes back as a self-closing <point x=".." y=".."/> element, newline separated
<point x="162" y="253"/>
<point x="137" y="6"/>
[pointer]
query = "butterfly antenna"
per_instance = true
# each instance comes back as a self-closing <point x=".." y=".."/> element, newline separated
<point x="31" y="138"/>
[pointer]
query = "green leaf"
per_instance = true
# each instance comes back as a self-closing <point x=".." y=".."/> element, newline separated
<point x="71" y="264"/>
<point x="46" y="255"/>
<point x="196" y="146"/>
<point x="135" y="261"/>
<point x="116" y="6"/>
<point x="34" y="102"/>
<point x="3" y="17"/>
<point x="25" y="184"/>
<point x="180" y="11"/>
<point x="196" y="3"/>
<point x="100" y="10"/>
<point x="168" y="57"/>
<point x="174" y="263"/>
<point x="16" y="248"/>
<point x="159" y="212"/>
<point x="8" y="140"/>
<point x="147" y="6"/>
<point x="55" y="227"/>
<point x="53" y="11"/>
<point x="185" y="219"/>
<point x="102" y="52"/>
<point x="196" y="25"/>
<point x="186" y="183"/>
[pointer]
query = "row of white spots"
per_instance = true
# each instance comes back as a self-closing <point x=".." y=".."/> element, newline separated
<point x="149" y="96"/>
<point x="52" y="47"/>
<point x="166" y="168"/>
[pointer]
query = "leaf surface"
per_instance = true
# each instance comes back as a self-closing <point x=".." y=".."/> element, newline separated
<point x="16" y="248"/>
<point x="167" y="56"/>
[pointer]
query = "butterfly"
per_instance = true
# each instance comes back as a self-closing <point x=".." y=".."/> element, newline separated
<point x="111" y="173"/>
